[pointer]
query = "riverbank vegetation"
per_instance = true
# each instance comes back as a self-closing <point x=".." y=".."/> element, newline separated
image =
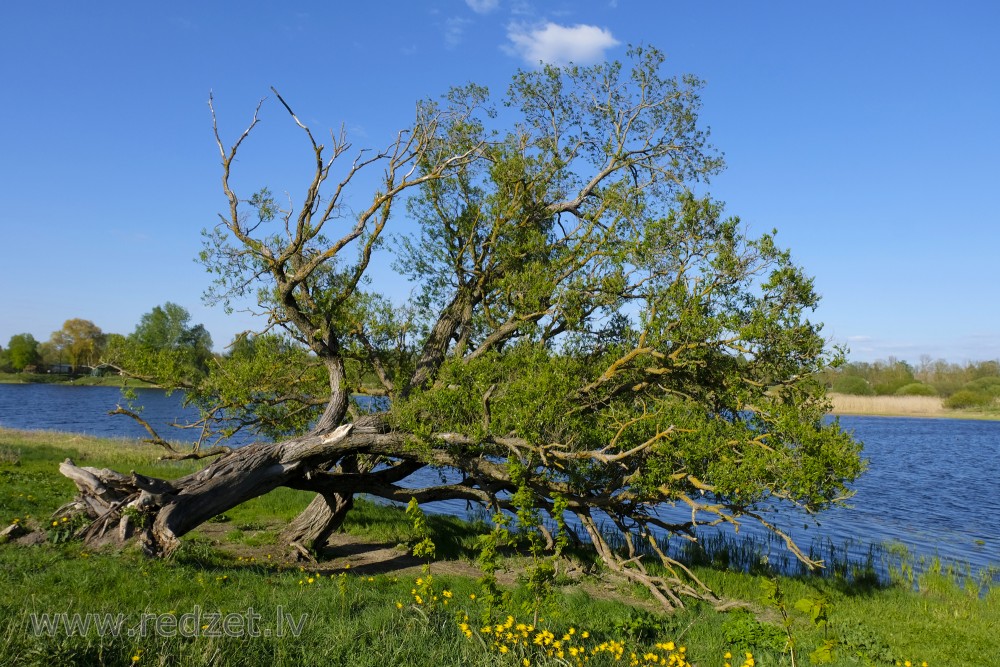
<point x="80" y="351"/>
<point x="974" y="385"/>
<point x="367" y="600"/>
<point x="75" y="380"/>
<point x="907" y="406"/>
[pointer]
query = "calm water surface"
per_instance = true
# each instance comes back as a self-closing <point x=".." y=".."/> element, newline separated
<point x="932" y="484"/>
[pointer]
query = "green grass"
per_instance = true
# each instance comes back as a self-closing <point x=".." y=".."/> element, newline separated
<point x="81" y="380"/>
<point x="349" y="617"/>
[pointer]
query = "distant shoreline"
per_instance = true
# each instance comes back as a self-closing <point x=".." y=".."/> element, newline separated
<point x="929" y="407"/>
<point x="74" y="381"/>
<point x="903" y="406"/>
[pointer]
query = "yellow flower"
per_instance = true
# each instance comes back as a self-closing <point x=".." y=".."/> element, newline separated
<point x="526" y="662"/>
<point x="472" y="596"/>
<point x="399" y="605"/>
<point x="55" y="523"/>
<point x="65" y="518"/>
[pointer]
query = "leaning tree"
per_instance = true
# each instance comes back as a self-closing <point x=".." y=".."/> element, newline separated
<point x="586" y="337"/>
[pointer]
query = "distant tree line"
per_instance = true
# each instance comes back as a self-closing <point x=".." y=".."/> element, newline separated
<point x="81" y="347"/>
<point x="974" y="384"/>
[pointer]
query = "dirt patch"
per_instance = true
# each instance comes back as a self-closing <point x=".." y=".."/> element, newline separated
<point x="343" y="552"/>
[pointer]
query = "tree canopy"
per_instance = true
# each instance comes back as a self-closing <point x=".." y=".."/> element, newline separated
<point x="164" y="348"/>
<point x="78" y="342"/>
<point x="588" y="335"/>
<point x="22" y="351"/>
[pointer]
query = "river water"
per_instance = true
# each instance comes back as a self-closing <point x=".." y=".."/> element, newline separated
<point x="933" y="485"/>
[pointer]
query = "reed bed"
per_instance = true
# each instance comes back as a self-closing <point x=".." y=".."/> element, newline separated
<point x="902" y="406"/>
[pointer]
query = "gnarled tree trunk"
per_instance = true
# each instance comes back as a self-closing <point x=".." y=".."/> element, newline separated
<point x="160" y="511"/>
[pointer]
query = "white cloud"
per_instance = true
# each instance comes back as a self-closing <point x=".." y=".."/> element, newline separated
<point x="482" y="6"/>
<point x="454" y="31"/>
<point x="558" y="45"/>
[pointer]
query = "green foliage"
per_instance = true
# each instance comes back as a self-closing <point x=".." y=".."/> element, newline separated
<point x="989" y="385"/>
<point x="62" y="529"/>
<point x="881" y="377"/>
<point x="265" y="383"/>
<point x="166" y="327"/>
<point x="967" y="398"/>
<point x="78" y="342"/>
<point x="490" y="560"/>
<point x="22" y="351"/>
<point x="643" y="625"/>
<point x="163" y="348"/>
<point x="746" y="633"/>
<point x="948" y="378"/>
<point x="916" y="389"/>
<point x="859" y="640"/>
<point x="539" y="576"/>
<point x="853" y="385"/>
<point x="424" y="546"/>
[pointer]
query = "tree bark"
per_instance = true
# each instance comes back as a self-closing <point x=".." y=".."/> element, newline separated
<point x="314" y="525"/>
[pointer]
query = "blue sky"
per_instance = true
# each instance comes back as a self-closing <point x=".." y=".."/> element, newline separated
<point x="867" y="133"/>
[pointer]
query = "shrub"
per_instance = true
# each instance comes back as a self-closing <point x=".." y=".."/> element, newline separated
<point x="987" y="385"/>
<point x="967" y="399"/>
<point x="852" y="384"/>
<point x="916" y="389"/>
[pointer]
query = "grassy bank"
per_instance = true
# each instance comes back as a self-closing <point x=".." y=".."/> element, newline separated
<point x="903" y="406"/>
<point x="79" y="380"/>
<point x="367" y="602"/>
